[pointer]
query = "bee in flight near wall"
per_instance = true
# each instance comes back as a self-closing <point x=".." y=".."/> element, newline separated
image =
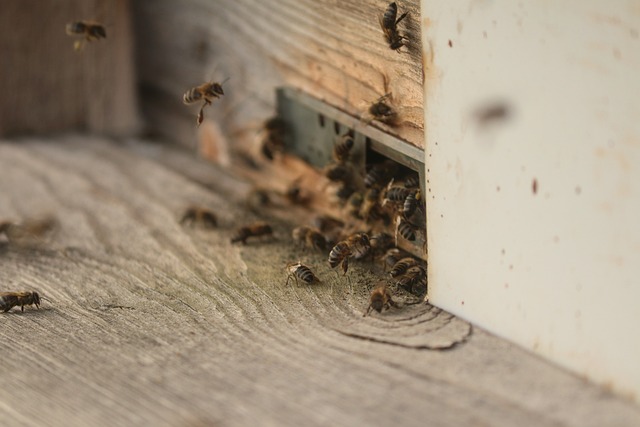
<point x="88" y="30"/>
<point x="206" y="93"/>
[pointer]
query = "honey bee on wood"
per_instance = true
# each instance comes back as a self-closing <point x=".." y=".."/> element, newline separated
<point x="401" y="266"/>
<point x="392" y="256"/>
<point x="342" y="149"/>
<point x="8" y="300"/>
<point x="389" y="25"/>
<point x="257" y="229"/>
<point x="380" y="299"/>
<point x="339" y="255"/>
<point x="381" y="111"/>
<point x="273" y="139"/>
<point x="310" y="237"/>
<point x="302" y="272"/>
<point x="414" y="280"/>
<point x="29" y="231"/>
<point x="206" y="93"/>
<point x="89" y="30"/>
<point x="198" y="215"/>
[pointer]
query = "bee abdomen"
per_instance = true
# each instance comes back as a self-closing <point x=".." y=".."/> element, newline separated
<point x="191" y="96"/>
<point x="338" y="253"/>
<point x="407" y="230"/>
<point x="389" y="17"/>
<point x="305" y="274"/>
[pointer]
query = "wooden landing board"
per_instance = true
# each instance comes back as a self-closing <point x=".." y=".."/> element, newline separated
<point x="151" y="323"/>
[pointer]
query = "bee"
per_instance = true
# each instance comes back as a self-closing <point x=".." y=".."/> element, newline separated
<point x="342" y="149"/>
<point x="90" y="30"/>
<point x="274" y="130"/>
<point x="346" y="191"/>
<point x="405" y="229"/>
<point x="389" y="25"/>
<point x="339" y="255"/>
<point x="325" y="223"/>
<point x="392" y="256"/>
<point x="370" y="208"/>
<point x="360" y="245"/>
<point x="380" y="110"/>
<point x="8" y="300"/>
<point x="380" y="173"/>
<point x="380" y="299"/>
<point x="199" y="215"/>
<point x="401" y="266"/>
<point x="397" y="194"/>
<point x="411" y="203"/>
<point x="380" y="242"/>
<point x="412" y="181"/>
<point x="302" y="272"/>
<point x="338" y="172"/>
<point x="414" y="280"/>
<point x="257" y="229"/>
<point x="29" y="230"/>
<point x="310" y="237"/>
<point x="295" y="195"/>
<point x="206" y="92"/>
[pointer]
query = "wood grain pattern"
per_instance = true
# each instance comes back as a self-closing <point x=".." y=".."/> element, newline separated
<point x="333" y="50"/>
<point x="49" y="87"/>
<point x="151" y="323"/>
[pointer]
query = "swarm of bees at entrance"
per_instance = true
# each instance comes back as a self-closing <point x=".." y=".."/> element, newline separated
<point x="88" y="30"/>
<point x="206" y="93"/>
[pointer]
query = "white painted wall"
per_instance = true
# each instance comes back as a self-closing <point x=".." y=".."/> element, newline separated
<point x="557" y="271"/>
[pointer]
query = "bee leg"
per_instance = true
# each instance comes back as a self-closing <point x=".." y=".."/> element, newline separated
<point x="402" y="17"/>
<point x="22" y="308"/>
<point x="368" y="311"/>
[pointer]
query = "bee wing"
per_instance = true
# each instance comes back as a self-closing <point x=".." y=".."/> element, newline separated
<point x="384" y="28"/>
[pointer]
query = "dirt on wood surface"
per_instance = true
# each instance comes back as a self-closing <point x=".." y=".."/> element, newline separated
<point x="151" y="322"/>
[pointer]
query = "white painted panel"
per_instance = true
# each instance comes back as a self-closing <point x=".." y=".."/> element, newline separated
<point x="556" y="270"/>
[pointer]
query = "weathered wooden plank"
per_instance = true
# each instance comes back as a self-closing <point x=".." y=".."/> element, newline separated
<point x="153" y="323"/>
<point x="332" y="50"/>
<point x="49" y="87"/>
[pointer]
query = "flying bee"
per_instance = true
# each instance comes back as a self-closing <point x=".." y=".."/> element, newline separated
<point x="8" y="300"/>
<point x="310" y="237"/>
<point x="342" y="149"/>
<point x="360" y="245"/>
<point x="389" y="25"/>
<point x="380" y="173"/>
<point x="414" y="280"/>
<point x="206" y="92"/>
<point x="300" y="271"/>
<point x="380" y="299"/>
<point x="89" y="30"/>
<point x="401" y="266"/>
<point x="198" y="215"/>
<point x="257" y="229"/>
<point x="339" y="255"/>
<point x="275" y="130"/>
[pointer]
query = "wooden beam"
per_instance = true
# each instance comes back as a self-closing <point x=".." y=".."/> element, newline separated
<point x="152" y="323"/>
